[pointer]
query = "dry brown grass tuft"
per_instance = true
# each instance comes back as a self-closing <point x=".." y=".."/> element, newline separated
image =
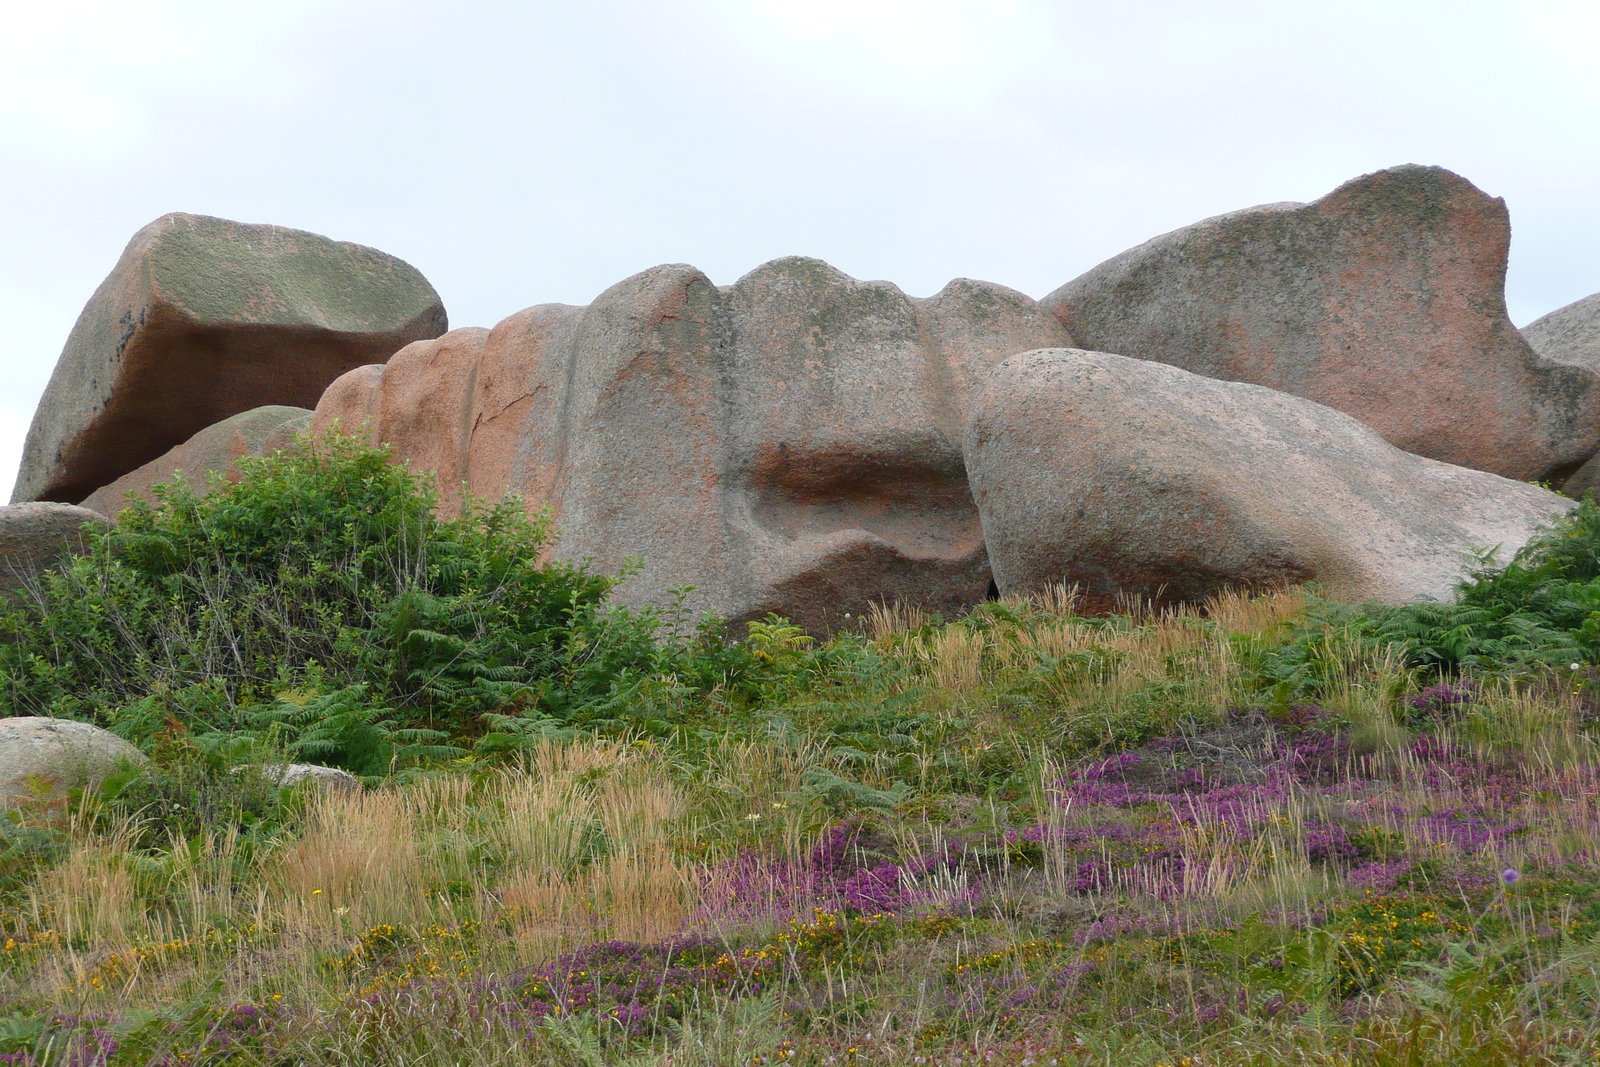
<point x="884" y="620"/>
<point x="360" y="855"/>
<point x="954" y="659"/>
<point x="90" y="895"/>
<point x="573" y="798"/>
<point x="1242" y="612"/>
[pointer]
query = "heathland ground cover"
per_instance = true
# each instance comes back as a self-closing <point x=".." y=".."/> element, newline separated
<point x="1266" y="829"/>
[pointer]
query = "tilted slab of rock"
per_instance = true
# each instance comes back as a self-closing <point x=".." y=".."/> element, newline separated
<point x="1384" y="299"/>
<point x="216" y="448"/>
<point x="1571" y="335"/>
<point x="1139" y="479"/>
<point x="202" y="319"/>
<point x="42" y="758"/>
<point x="789" y="443"/>
<point x="37" y="536"/>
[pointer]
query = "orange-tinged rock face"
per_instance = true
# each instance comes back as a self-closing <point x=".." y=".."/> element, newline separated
<point x="517" y="400"/>
<point x="425" y="398"/>
<point x="352" y="404"/>
<point x="789" y="443"/>
<point x="1384" y="299"/>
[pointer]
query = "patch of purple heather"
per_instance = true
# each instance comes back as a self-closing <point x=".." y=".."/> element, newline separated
<point x="1328" y="842"/>
<point x="1444" y="700"/>
<point x="843" y="872"/>
<point x="1380" y="878"/>
<point x="1166" y="809"/>
<point x="1467" y="831"/>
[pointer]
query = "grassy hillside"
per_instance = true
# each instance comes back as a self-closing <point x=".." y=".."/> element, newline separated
<point x="1269" y="830"/>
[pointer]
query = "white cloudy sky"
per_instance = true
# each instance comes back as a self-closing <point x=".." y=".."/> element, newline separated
<point x="523" y="152"/>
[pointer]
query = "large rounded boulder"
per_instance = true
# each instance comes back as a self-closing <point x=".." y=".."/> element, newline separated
<point x="1384" y="299"/>
<point x="202" y="319"/>
<point x="1572" y="335"/>
<point x="41" y="758"/>
<point x="1135" y="479"/>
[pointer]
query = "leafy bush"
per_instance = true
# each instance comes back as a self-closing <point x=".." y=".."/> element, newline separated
<point x="1540" y="610"/>
<point x="321" y="605"/>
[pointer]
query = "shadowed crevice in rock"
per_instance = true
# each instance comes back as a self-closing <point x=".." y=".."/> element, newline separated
<point x="922" y="509"/>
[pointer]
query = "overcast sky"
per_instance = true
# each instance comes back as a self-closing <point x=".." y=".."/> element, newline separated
<point x="526" y="152"/>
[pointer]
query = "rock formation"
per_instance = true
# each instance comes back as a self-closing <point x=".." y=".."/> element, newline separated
<point x="214" y="449"/>
<point x="1571" y="335"/>
<point x="792" y="443"/>
<point x="1384" y="299"/>
<point x="41" y="759"/>
<point x="789" y="443"/>
<point x="37" y="536"/>
<point x="1139" y="479"/>
<point x="201" y="319"/>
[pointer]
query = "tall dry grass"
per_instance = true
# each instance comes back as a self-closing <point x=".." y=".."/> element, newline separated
<point x="575" y="843"/>
<point x="567" y="801"/>
<point x="885" y="620"/>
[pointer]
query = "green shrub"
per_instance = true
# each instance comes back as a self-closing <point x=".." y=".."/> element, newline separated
<point x="1540" y="610"/>
<point x="320" y="605"/>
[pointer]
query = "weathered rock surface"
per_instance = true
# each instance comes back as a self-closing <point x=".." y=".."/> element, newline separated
<point x="788" y="443"/>
<point x="1384" y="299"/>
<point x="37" y="536"/>
<point x="214" y="449"/>
<point x="291" y="774"/>
<point x="41" y="759"/>
<point x="1141" y="479"/>
<point x="202" y="319"/>
<point x="1570" y="334"/>
<point x="287" y="775"/>
<point x="423" y="399"/>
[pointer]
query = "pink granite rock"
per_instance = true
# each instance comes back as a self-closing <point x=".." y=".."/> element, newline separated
<point x="202" y="319"/>
<point x="1135" y="479"/>
<point x="789" y="443"/>
<point x="1384" y="299"/>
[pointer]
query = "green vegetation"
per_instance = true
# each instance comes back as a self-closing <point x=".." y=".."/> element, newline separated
<point x="1542" y="609"/>
<point x="1273" y="831"/>
<point x="321" y="607"/>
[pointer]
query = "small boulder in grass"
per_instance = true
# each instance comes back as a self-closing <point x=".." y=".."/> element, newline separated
<point x="41" y="758"/>
<point x="287" y="775"/>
